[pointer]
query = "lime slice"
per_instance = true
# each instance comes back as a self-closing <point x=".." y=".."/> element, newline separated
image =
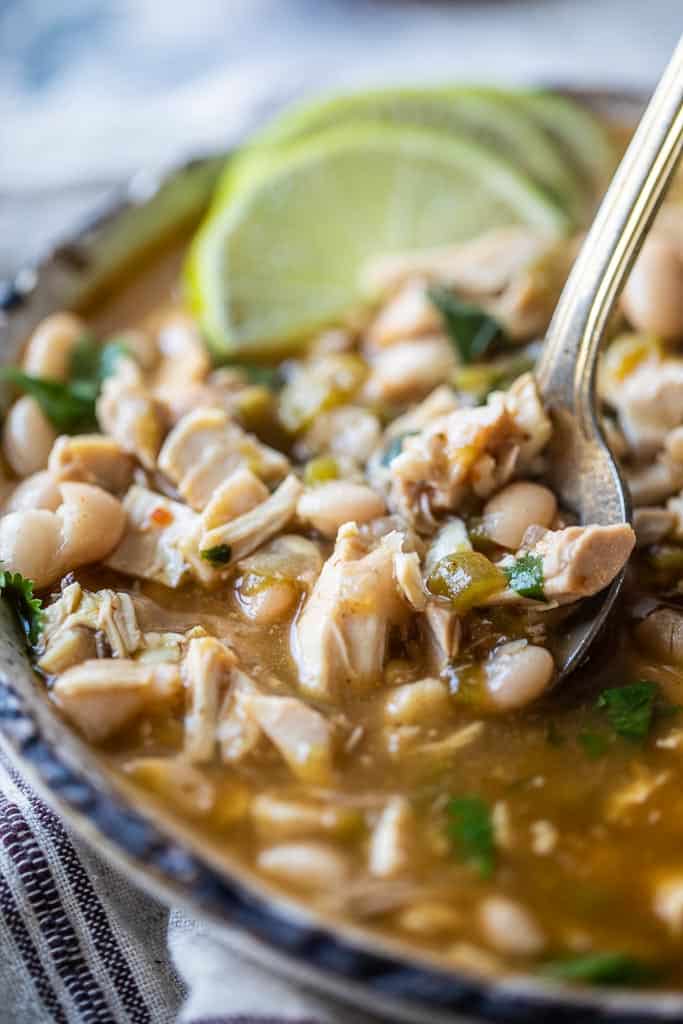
<point x="578" y="133"/>
<point x="280" y="252"/>
<point x="491" y="117"/>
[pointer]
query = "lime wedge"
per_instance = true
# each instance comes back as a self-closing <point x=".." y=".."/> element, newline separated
<point x="577" y="132"/>
<point x="491" y="117"/>
<point x="280" y="252"/>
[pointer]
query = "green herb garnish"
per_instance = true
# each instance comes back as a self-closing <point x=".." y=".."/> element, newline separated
<point x="594" y="744"/>
<point x="70" y="405"/>
<point x="525" y="576"/>
<point x="470" y="829"/>
<point x="29" y="609"/>
<point x="630" y="708"/>
<point x="469" y="328"/>
<point x="68" y="410"/>
<point x="600" y="969"/>
<point x="218" y="555"/>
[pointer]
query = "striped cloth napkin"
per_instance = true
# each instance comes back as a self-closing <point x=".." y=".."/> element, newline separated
<point x="80" y="945"/>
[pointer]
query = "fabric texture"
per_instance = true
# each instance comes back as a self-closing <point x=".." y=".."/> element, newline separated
<point x="80" y="945"/>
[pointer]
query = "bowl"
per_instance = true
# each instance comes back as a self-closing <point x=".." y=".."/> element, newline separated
<point x="152" y="848"/>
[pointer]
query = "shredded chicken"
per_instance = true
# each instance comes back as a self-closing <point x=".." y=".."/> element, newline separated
<point x="152" y="543"/>
<point x="471" y="450"/>
<point x="206" y="669"/>
<point x="101" y="696"/>
<point x="205" y="447"/>
<point x="127" y="411"/>
<point x="341" y="635"/>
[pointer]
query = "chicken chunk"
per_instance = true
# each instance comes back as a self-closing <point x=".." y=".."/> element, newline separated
<point x="471" y="450"/>
<point x="409" y="370"/>
<point x="513" y="273"/>
<point x="83" y="620"/>
<point x="242" y="535"/>
<point x="91" y="459"/>
<point x="349" y="431"/>
<point x="393" y="839"/>
<point x="206" y="670"/>
<point x="649" y="402"/>
<point x="340" y="637"/>
<point x="128" y="413"/>
<point x="443" y="631"/>
<point x="301" y="734"/>
<point x="577" y="562"/>
<point x="101" y="696"/>
<point x="205" y="447"/>
<point x="407" y="314"/>
<point x="152" y="543"/>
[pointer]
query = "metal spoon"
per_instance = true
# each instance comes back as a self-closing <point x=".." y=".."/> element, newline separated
<point x="582" y="470"/>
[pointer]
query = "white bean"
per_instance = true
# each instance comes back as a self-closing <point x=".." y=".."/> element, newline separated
<point x="92" y="523"/>
<point x="43" y="545"/>
<point x="509" y="928"/>
<point x="309" y="865"/>
<point x="518" y="673"/>
<point x="49" y="349"/>
<point x="653" y="296"/>
<point x="27" y="437"/>
<point x="269" y="603"/>
<point x="29" y="543"/>
<point x="329" y="505"/>
<point x="510" y="512"/>
<point x="37" y="491"/>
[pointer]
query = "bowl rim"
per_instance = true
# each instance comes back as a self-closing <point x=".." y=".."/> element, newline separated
<point x="346" y="962"/>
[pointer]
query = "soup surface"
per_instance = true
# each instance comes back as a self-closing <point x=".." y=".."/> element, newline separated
<point x="309" y="604"/>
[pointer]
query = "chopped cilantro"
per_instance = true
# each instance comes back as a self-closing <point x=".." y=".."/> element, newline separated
<point x="470" y="829"/>
<point x="470" y="329"/>
<point x="594" y="743"/>
<point x="267" y="376"/>
<point x="68" y="409"/>
<point x="599" y="969"/>
<point x="218" y="555"/>
<point x="630" y="708"/>
<point x="525" y="576"/>
<point x="70" y="405"/>
<point x="29" y="609"/>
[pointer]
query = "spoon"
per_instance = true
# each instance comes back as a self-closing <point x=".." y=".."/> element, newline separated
<point x="583" y="472"/>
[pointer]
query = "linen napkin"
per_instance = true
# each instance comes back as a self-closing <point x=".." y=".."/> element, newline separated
<point x="81" y="945"/>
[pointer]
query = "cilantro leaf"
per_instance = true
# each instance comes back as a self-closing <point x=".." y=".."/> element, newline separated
<point x="600" y="969"/>
<point x="218" y="555"/>
<point x="470" y="329"/>
<point x="525" y="576"/>
<point x="630" y="708"/>
<point x="470" y="829"/>
<point x="70" y="405"/>
<point x="29" y="609"/>
<point x="67" y="409"/>
<point x="594" y="743"/>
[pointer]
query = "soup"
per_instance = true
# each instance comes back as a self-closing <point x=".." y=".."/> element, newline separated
<point x="309" y="604"/>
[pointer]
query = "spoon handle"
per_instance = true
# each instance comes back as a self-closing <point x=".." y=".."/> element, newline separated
<point x="566" y="369"/>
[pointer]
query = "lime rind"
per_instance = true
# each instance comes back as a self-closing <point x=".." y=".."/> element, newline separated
<point x="494" y="117"/>
<point x="279" y="253"/>
<point x="578" y="133"/>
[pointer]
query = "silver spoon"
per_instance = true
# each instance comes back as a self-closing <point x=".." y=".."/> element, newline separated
<point x="582" y="470"/>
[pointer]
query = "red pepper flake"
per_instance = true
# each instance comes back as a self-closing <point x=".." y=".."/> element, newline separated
<point x="161" y="516"/>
